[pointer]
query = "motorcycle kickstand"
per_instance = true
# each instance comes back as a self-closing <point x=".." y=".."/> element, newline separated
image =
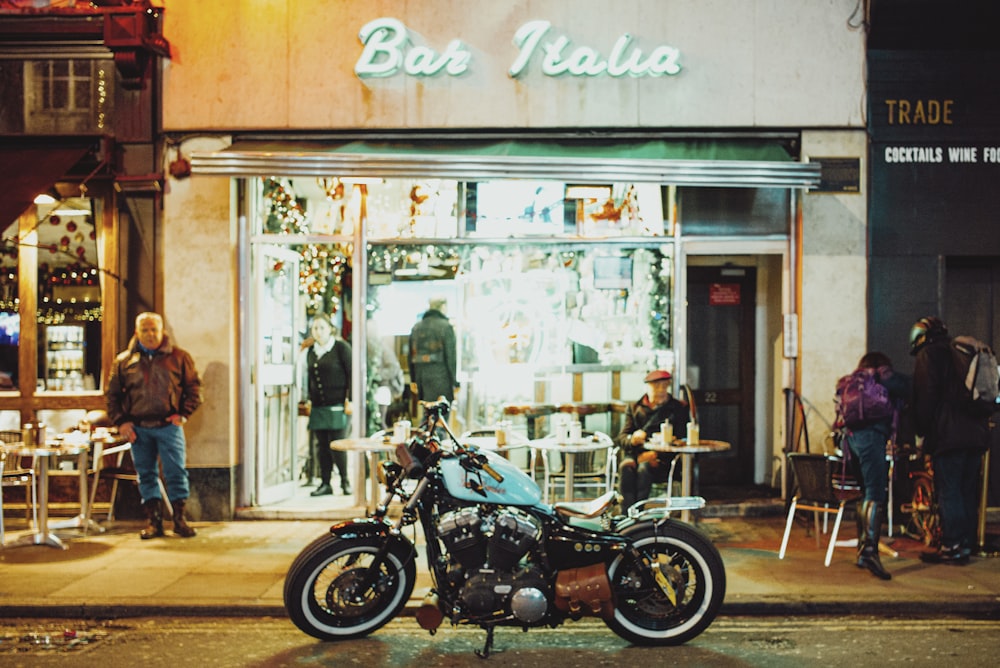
<point x="485" y="652"/>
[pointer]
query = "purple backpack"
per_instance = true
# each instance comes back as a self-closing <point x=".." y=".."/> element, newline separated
<point x="861" y="400"/>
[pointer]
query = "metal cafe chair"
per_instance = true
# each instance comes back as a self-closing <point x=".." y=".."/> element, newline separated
<point x="594" y="468"/>
<point x="14" y="474"/>
<point x="822" y="488"/>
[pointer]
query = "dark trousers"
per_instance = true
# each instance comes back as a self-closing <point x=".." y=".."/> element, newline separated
<point x="956" y="480"/>
<point x="327" y="457"/>
<point x="635" y="480"/>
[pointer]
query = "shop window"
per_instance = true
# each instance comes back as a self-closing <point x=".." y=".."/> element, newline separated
<point x="69" y="297"/>
<point x="399" y="208"/>
<point x="64" y="95"/>
<point x="734" y="211"/>
<point x="528" y="314"/>
<point x="393" y="208"/>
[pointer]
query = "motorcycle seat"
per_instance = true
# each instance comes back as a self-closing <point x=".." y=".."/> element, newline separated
<point x="587" y="509"/>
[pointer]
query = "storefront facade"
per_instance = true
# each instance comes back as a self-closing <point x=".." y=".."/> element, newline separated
<point x="80" y="206"/>
<point x="361" y="162"/>
<point x="935" y="147"/>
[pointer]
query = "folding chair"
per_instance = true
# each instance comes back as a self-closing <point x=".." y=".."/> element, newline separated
<point x="822" y="488"/>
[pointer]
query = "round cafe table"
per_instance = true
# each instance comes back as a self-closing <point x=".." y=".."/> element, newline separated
<point x="370" y="448"/>
<point x="41" y="456"/>
<point x="689" y="460"/>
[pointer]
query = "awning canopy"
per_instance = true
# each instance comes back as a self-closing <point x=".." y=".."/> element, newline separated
<point x="689" y="162"/>
<point x="30" y="166"/>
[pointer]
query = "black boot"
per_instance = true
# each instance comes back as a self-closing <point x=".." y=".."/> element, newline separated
<point x="154" y="519"/>
<point x="868" y="557"/>
<point x="181" y="527"/>
<point x="946" y="554"/>
<point x="340" y="461"/>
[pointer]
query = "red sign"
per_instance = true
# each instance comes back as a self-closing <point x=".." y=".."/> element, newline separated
<point x="724" y="294"/>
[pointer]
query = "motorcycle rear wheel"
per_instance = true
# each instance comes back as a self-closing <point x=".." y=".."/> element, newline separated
<point x="322" y="592"/>
<point x="688" y="565"/>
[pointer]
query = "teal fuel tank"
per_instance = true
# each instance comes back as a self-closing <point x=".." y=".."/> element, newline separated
<point x="517" y="488"/>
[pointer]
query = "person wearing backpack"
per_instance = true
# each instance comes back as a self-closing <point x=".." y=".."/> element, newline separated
<point x="866" y="437"/>
<point x="955" y="437"/>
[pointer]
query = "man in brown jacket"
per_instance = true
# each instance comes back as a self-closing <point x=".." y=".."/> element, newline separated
<point x="152" y="390"/>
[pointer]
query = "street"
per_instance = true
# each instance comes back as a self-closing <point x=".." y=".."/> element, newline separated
<point x="271" y="641"/>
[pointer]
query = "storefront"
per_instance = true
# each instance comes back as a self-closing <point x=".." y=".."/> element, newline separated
<point x="605" y="203"/>
<point x="79" y="204"/>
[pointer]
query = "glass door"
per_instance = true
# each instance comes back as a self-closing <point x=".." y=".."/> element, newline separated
<point x="275" y="389"/>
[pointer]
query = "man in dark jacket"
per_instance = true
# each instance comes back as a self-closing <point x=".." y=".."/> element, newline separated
<point x="152" y="390"/>
<point x="432" y="355"/>
<point x="640" y="467"/>
<point x="954" y="438"/>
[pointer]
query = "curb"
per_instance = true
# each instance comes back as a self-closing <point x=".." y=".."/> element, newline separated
<point x="982" y="608"/>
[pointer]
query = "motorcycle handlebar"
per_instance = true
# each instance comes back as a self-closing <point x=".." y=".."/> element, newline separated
<point x="490" y="470"/>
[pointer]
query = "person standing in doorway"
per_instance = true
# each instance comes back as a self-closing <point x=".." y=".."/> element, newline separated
<point x="432" y="354"/>
<point x="152" y="390"/>
<point x="954" y="438"/>
<point x="328" y="387"/>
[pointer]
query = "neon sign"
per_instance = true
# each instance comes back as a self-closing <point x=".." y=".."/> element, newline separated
<point x="388" y="50"/>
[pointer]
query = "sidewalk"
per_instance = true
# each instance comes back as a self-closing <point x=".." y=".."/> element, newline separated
<point x="238" y="568"/>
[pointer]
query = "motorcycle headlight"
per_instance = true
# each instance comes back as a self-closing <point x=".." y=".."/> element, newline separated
<point x="388" y="473"/>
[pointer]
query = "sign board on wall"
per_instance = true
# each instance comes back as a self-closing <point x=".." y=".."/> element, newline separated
<point x="838" y="175"/>
<point x="549" y="63"/>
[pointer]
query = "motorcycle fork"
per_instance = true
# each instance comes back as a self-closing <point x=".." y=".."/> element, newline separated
<point x="391" y="537"/>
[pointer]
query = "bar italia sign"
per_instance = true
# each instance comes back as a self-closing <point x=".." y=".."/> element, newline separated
<point x="388" y="51"/>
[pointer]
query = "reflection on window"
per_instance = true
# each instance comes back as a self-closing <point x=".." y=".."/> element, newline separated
<point x="69" y="297"/>
<point x="10" y="319"/>
<point x="64" y="96"/>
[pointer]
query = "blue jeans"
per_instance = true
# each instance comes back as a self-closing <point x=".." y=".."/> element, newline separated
<point x="168" y="445"/>
<point x="868" y="447"/>
<point x="956" y="479"/>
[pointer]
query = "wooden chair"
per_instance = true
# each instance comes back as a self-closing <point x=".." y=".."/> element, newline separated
<point x="822" y="488"/>
<point x="14" y="474"/>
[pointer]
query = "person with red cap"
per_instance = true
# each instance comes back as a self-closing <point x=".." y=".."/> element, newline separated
<point x="640" y="467"/>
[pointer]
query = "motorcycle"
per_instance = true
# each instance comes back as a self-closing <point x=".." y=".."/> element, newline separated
<point x="499" y="557"/>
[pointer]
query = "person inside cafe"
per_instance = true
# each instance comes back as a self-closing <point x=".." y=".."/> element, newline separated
<point x="640" y="468"/>
<point x="327" y="384"/>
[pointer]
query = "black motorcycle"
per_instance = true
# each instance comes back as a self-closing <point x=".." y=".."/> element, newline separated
<point x="499" y="557"/>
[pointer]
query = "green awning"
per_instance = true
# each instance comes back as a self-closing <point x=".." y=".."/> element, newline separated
<point x="690" y="162"/>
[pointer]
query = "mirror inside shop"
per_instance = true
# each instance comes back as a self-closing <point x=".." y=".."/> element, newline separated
<point x="556" y="292"/>
<point x="68" y="315"/>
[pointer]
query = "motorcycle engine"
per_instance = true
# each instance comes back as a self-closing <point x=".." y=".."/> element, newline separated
<point x="490" y="550"/>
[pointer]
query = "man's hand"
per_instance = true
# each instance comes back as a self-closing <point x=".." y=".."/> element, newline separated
<point x="127" y="432"/>
<point x="638" y="437"/>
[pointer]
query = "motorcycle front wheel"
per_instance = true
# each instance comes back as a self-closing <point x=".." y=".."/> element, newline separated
<point x="690" y="584"/>
<point x="324" y="595"/>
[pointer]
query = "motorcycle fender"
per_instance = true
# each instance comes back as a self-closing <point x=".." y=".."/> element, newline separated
<point x="631" y="526"/>
<point x="368" y="528"/>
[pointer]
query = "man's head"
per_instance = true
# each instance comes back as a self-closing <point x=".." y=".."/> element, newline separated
<point x="926" y="330"/>
<point x="438" y="304"/>
<point x="149" y="329"/>
<point x="658" y="385"/>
